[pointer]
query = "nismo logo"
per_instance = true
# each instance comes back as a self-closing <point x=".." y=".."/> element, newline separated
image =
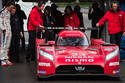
<point x="79" y="59"/>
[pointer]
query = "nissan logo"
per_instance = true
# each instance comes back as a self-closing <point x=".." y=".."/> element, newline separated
<point x="79" y="68"/>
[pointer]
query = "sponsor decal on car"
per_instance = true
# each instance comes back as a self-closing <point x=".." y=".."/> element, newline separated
<point x="62" y="51"/>
<point x="44" y="64"/>
<point x="92" y="52"/>
<point x="86" y="57"/>
<point x="77" y="54"/>
<point x="114" y="64"/>
<point x="79" y="59"/>
<point x="42" y="72"/>
<point x="48" y="49"/>
<point x="108" y="49"/>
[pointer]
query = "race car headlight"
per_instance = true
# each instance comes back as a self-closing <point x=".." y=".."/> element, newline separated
<point x="112" y="54"/>
<point x="47" y="55"/>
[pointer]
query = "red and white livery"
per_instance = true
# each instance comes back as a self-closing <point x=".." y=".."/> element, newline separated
<point x="73" y="54"/>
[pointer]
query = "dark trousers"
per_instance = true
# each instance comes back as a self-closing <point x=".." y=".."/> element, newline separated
<point x="31" y="46"/>
<point x="14" y="48"/>
<point x="115" y="38"/>
<point x="22" y="38"/>
<point x="23" y="41"/>
<point x="97" y="33"/>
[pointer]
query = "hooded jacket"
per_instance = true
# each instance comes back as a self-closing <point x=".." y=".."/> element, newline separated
<point x="72" y="20"/>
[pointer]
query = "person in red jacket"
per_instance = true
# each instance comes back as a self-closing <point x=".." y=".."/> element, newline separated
<point x="116" y="22"/>
<point x="70" y="18"/>
<point x="34" y="21"/>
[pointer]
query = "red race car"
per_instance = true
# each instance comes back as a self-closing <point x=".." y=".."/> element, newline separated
<point x="72" y="54"/>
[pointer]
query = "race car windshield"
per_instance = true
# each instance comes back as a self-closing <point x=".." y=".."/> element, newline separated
<point x="72" y="41"/>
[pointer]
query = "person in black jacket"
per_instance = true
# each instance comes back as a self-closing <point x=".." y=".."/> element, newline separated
<point x="22" y="16"/>
<point x="49" y="21"/>
<point x="77" y="10"/>
<point x="95" y="14"/>
<point x="59" y="20"/>
<point x="16" y="34"/>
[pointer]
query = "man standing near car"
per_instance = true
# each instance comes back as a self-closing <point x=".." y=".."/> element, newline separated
<point x="116" y="22"/>
<point x="16" y="35"/>
<point x="34" y="21"/>
<point x="95" y="14"/>
<point x="5" y="28"/>
<point x="22" y="16"/>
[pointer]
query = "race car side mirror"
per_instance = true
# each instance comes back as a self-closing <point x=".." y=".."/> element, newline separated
<point x="51" y="42"/>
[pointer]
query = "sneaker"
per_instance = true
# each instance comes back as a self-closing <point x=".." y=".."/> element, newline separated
<point x="8" y="63"/>
<point x="3" y="63"/>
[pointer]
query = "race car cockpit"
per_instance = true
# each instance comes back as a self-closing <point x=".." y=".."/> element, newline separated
<point x="71" y="38"/>
<point x="72" y="41"/>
